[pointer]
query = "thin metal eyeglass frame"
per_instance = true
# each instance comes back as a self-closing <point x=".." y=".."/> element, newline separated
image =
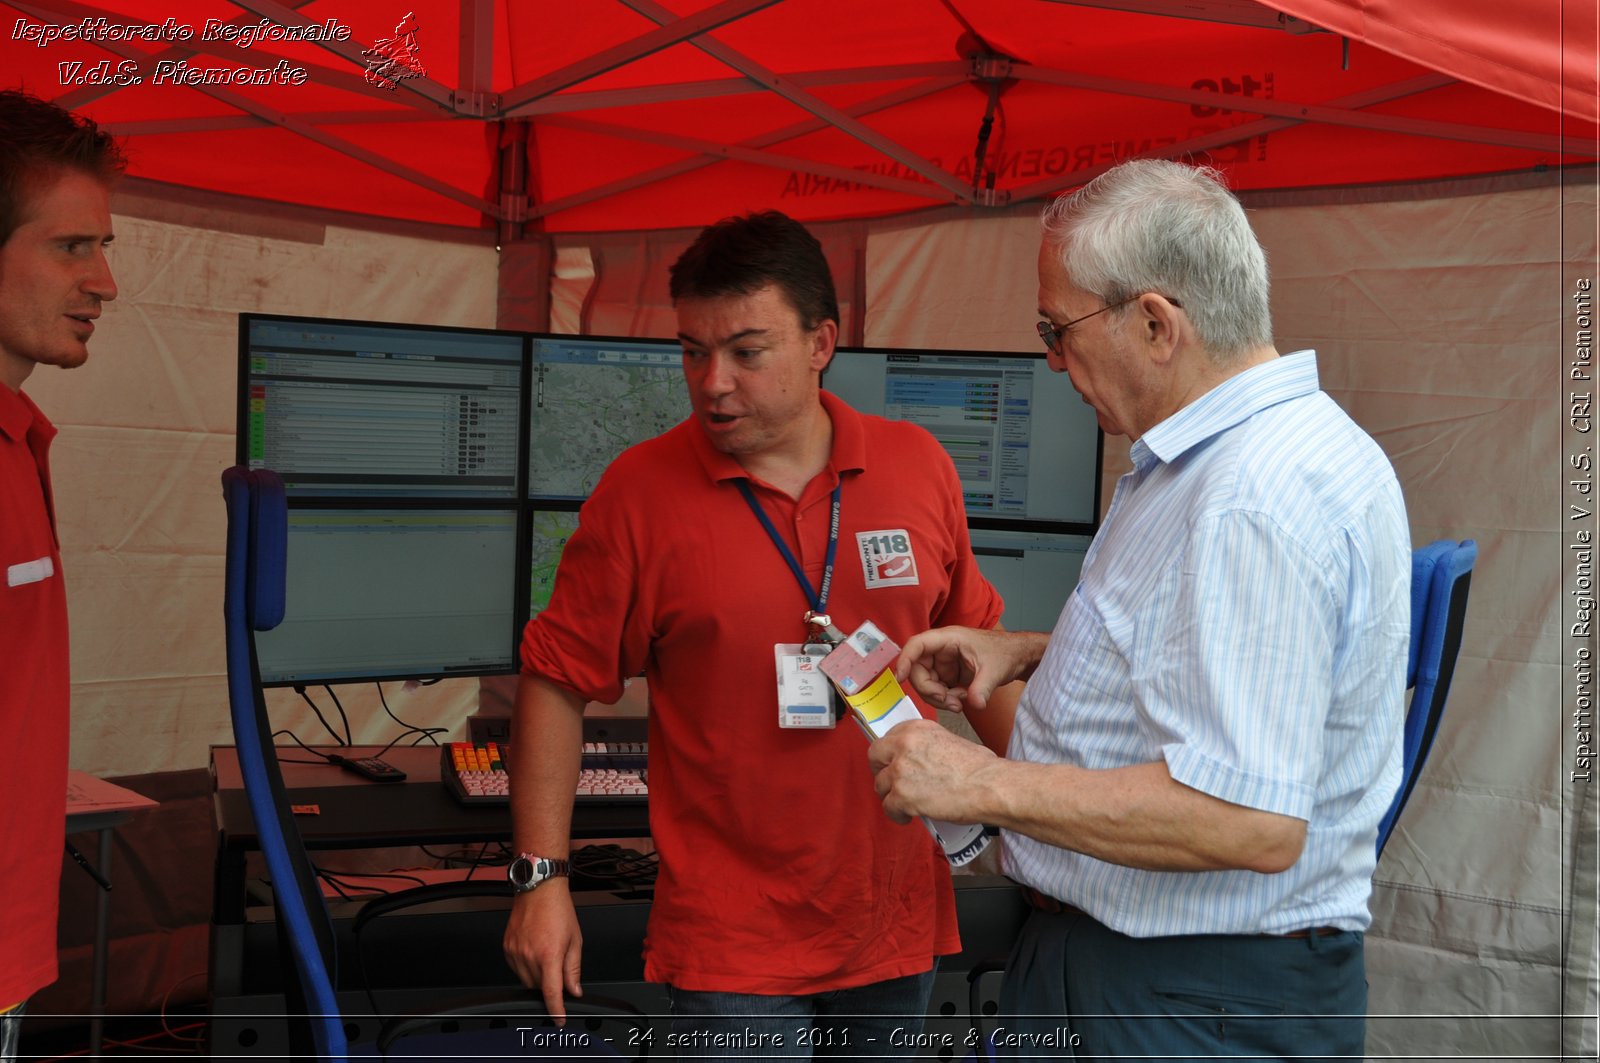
<point x="1051" y="333"/>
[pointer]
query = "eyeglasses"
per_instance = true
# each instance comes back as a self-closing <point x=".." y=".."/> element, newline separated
<point x="1051" y="334"/>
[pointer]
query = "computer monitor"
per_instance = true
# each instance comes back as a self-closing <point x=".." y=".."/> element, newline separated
<point x="591" y="398"/>
<point x="395" y="592"/>
<point x="1035" y="572"/>
<point x="348" y="409"/>
<point x="1026" y="447"/>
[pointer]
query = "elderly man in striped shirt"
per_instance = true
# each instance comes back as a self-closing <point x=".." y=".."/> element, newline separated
<point x="1209" y="737"/>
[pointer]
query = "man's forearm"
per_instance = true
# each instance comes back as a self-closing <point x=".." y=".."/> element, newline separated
<point x="1137" y="816"/>
<point x="993" y="722"/>
<point x="546" y="748"/>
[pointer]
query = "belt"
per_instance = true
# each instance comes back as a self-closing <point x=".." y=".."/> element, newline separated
<point x="1309" y="932"/>
<point x="1046" y="903"/>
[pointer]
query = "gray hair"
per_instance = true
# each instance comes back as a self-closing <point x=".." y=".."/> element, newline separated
<point x="1152" y="225"/>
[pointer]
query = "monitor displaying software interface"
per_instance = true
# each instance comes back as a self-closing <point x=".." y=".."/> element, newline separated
<point x="399" y="447"/>
<point x="1026" y="447"/>
<point x="382" y="593"/>
<point x="350" y="410"/>
<point x="1035" y="572"/>
<point x="435" y="475"/>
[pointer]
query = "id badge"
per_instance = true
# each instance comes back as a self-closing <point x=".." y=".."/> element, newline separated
<point x="805" y="697"/>
<point x="862" y="667"/>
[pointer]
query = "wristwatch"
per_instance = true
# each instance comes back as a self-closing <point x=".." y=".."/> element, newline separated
<point x="528" y="870"/>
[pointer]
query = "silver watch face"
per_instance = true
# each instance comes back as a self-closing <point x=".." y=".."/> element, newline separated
<point x="526" y="872"/>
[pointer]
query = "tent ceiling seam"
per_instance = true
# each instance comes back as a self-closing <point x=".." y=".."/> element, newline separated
<point x="802" y="128"/>
<point x="804" y="100"/>
<point x="656" y="40"/>
<point x="1328" y="114"/>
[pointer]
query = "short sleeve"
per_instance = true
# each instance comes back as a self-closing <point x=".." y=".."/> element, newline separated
<point x="1238" y="691"/>
<point x="589" y="639"/>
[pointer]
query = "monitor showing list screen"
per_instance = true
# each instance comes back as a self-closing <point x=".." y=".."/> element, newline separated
<point x="1035" y="572"/>
<point x="1026" y="447"/>
<point x="590" y="399"/>
<point x="394" y="593"/>
<point x="349" y="409"/>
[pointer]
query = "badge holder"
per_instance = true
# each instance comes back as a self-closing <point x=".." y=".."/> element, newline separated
<point x="862" y="667"/>
<point x="805" y="700"/>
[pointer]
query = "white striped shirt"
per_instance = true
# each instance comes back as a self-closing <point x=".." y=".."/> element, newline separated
<point x="1243" y="615"/>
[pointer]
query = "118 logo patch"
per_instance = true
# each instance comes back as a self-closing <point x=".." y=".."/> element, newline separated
<point x="887" y="559"/>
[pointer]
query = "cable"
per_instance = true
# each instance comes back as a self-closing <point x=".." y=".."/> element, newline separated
<point x="348" y="739"/>
<point x="616" y="866"/>
<point x="477" y="862"/>
<point x="981" y="152"/>
<point x="326" y="758"/>
<point x="139" y="1043"/>
<point x="468" y="858"/>
<point x="427" y="732"/>
<point x="166" y="999"/>
<point x="336" y="880"/>
<point x="302" y="692"/>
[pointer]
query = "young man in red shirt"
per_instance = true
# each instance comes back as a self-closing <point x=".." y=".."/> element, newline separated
<point x="55" y="222"/>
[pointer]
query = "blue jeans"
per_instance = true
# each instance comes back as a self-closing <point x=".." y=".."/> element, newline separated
<point x="878" y="1020"/>
<point x="1075" y="989"/>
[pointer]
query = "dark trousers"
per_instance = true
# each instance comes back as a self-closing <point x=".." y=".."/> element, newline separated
<point x="1075" y="989"/>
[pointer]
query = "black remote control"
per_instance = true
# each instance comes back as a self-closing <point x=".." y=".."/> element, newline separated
<point x="374" y="769"/>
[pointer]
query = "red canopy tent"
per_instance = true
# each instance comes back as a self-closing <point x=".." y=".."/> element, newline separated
<point x="626" y="115"/>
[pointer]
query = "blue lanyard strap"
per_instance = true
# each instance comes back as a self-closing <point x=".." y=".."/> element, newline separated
<point x="818" y="599"/>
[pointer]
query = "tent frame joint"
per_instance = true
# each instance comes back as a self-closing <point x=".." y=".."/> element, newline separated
<point x="989" y="67"/>
<point x="475" y="104"/>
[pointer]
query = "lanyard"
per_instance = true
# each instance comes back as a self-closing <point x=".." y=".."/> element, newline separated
<point x="818" y="599"/>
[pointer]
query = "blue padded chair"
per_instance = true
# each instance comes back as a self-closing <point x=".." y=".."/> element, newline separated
<point x="253" y="600"/>
<point x="1441" y="575"/>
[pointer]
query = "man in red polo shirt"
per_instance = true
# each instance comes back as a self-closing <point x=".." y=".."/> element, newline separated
<point x="55" y="222"/>
<point x="789" y="911"/>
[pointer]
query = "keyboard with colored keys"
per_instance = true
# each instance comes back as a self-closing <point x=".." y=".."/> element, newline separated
<point x="611" y="772"/>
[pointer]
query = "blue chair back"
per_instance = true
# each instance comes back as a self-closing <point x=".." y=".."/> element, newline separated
<point x="1441" y="576"/>
<point x="253" y="600"/>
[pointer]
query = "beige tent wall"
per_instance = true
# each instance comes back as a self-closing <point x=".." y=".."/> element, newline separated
<point x="1439" y="325"/>
<point x="147" y="426"/>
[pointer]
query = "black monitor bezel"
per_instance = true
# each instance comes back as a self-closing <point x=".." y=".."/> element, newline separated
<point x="516" y="503"/>
<point x="527" y="505"/>
<point x="519" y="598"/>
<point x="242" y="396"/>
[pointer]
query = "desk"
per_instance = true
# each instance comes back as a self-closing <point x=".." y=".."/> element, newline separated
<point x="354" y="813"/>
<point x="96" y="805"/>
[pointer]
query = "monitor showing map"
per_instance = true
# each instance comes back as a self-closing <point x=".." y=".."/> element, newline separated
<point x="548" y="532"/>
<point x="1026" y="447"/>
<point x="590" y="398"/>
